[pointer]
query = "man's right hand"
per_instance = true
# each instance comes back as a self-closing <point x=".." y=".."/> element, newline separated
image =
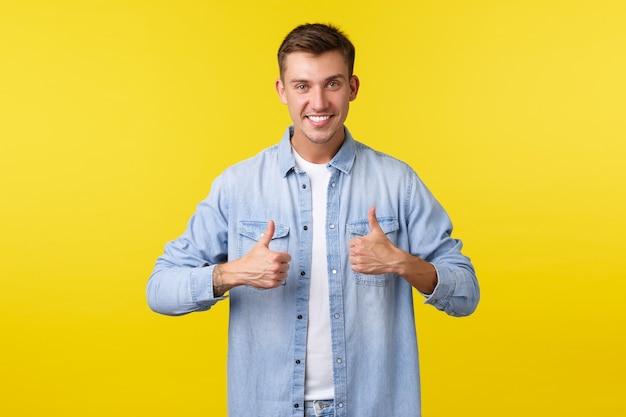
<point x="260" y="268"/>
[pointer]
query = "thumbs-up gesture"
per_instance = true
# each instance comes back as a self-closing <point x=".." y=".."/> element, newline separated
<point x="373" y="254"/>
<point x="261" y="268"/>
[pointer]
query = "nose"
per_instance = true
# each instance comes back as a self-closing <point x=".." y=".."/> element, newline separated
<point x="318" y="100"/>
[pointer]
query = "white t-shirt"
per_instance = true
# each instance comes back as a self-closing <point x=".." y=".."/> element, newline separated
<point x="318" y="384"/>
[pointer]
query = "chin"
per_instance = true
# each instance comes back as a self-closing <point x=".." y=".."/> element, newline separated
<point x="320" y="140"/>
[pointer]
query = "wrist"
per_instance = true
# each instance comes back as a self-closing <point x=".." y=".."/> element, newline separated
<point x="419" y="273"/>
<point x="220" y="280"/>
<point x="405" y="263"/>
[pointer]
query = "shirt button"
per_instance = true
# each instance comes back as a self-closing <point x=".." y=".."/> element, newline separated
<point x="296" y="405"/>
<point x="337" y="315"/>
<point x="340" y="405"/>
<point x="306" y="227"/>
<point x="333" y="184"/>
<point x="297" y="361"/>
<point x="302" y="273"/>
<point x="303" y="186"/>
<point x="339" y="360"/>
<point x="334" y="271"/>
<point x="299" y="316"/>
<point x="332" y="226"/>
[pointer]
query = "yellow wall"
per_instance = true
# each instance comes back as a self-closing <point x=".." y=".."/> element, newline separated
<point x="116" y="115"/>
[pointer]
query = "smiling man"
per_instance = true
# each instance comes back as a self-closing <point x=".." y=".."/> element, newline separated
<point x="317" y="90"/>
<point x="320" y="242"/>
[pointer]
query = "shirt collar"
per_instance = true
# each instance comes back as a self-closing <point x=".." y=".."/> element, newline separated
<point x="343" y="160"/>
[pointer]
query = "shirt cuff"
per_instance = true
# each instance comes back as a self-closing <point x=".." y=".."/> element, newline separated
<point x="202" y="287"/>
<point x="446" y="282"/>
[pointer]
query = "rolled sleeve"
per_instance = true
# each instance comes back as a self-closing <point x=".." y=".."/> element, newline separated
<point x="456" y="292"/>
<point x="201" y="286"/>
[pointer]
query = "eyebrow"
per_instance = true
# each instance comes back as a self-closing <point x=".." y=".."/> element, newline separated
<point x="332" y="77"/>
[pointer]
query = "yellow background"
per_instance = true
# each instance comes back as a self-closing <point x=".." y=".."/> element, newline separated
<point x="116" y="115"/>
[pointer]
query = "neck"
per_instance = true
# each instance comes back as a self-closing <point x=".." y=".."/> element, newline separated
<point x="316" y="153"/>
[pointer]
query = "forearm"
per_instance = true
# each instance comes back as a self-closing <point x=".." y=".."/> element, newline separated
<point x="448" y="287"/>
<point x="420" y="274"/>
<point x="222" y="280"/>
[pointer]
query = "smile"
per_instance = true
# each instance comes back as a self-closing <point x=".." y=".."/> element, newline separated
<point x="318" y="119"/>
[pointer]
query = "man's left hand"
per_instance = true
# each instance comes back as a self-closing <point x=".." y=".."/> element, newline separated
<point x="373" y="254"/>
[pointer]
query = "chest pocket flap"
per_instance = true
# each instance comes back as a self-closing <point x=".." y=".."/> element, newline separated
<point x="254" y="229"/>
<point x="250" y="232"/>
<point x="362" y="227"/>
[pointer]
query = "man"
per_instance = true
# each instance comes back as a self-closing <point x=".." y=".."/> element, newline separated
<point x="319" y="241"/>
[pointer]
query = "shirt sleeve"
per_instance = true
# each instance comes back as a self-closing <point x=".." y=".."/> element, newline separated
<point x="457" y="292"/>
<point x="182" y="279"/>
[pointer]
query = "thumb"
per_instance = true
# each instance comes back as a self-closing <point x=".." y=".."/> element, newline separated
<point x="373" y="221"/>
<point x="266" y="237"/>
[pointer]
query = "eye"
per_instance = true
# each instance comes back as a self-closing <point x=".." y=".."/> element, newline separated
<point x="333" y="84"/>
<point x="301" y="87"/>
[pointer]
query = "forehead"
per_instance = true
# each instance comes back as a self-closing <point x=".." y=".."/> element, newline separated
<point x="305" y="65"/>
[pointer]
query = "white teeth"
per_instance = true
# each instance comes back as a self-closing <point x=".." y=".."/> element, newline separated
<point x="319" y="118"/>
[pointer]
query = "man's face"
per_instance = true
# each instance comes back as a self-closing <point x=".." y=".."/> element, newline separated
<point x="317" y="90"/>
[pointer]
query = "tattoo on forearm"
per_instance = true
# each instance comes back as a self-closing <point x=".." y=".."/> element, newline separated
<point x="218" y="282"/>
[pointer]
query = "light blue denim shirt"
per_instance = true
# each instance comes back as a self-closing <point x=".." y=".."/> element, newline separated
<point x="374" y="345"/>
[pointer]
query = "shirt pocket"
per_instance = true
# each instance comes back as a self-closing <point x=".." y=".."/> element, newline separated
<point x="360" y="228"/>
<point x="250" y="232"/>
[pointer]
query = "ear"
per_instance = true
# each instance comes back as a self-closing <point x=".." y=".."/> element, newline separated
<point x="354" y="87"/>
<point x="280" y="89"/>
